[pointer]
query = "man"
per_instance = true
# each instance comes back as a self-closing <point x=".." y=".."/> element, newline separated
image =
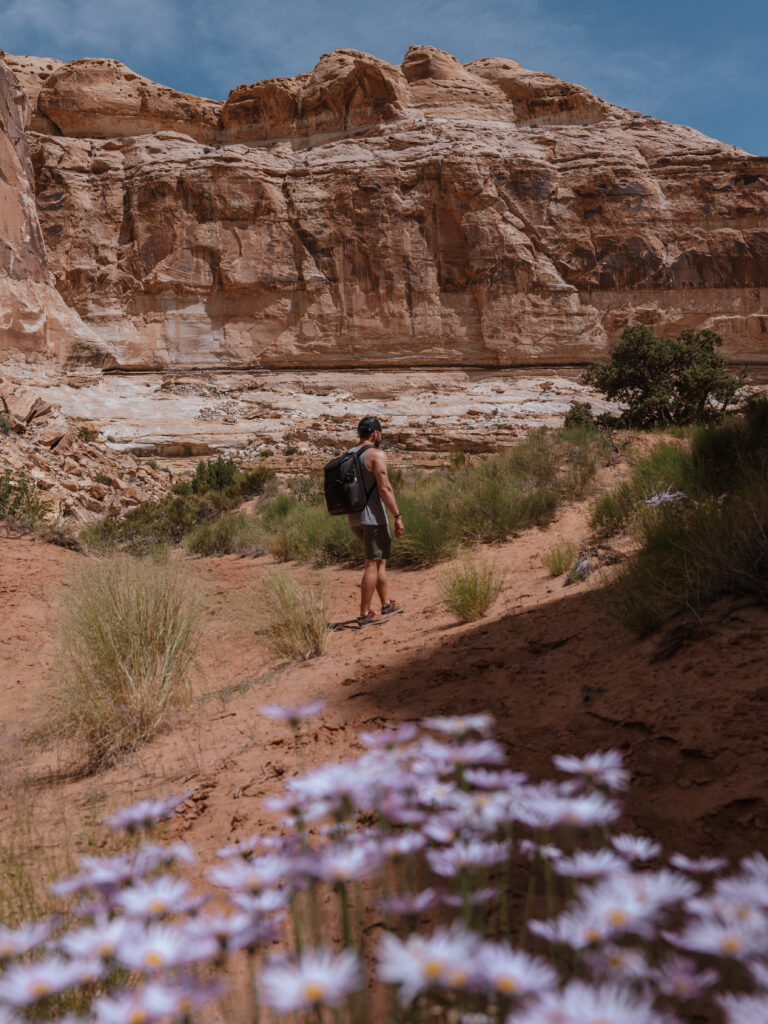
<point x="371" y="526"/>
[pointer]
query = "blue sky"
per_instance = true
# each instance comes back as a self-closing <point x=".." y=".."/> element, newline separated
<point x="698" y="63"/>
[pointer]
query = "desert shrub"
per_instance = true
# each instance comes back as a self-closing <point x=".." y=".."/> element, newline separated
<point x="87" y="433"/>
<point x="665" y="380"/>
<point x="559" y="559"/>
<point x="62" y="533"/>
<point x="130" y="637"/>
<point x="214" y="475"/>
<point x="21" y="506"/>
<point x="612" y="510"/>
<point x="306" y="533"/>
<point x="290" y="449"/>
<point x="294" y="617"/>
<point x="430" y="535"/>
<point x="102" y="478"/>
<point x="580" y="417"/>
<point x="307" y="490"/>
<point x="230" y="534"/>
<point x="705" y="534"/>
<point x="714" y="460"/>
<point x="169" y="519"/>
<point x="6" y="427"/>
<point x="468" y="591"/>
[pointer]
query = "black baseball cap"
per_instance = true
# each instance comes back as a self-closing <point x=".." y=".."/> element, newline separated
<point x="367" y="425"/>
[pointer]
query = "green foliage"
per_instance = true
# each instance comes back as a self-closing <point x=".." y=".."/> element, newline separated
<point x="580" y="417"/>
<point x="713" y="461"/>
<point x="21" y="507"/>
<point x="214" y="475"/>
<point x="290" y="449"/>
<point x="6" y="427"/>
<point x="102" y="478"/>
<point x="665" y="380"/>
<point x="559" y="558"/>
<point x="87" y="433"/>
<point x="228" y="535"/>
<point x="710" y="543"/>
<point x="169" y="519"/>
<point x="469" y="591"/>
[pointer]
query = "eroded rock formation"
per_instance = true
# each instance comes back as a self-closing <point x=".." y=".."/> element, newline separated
<point x="431" y="213"/>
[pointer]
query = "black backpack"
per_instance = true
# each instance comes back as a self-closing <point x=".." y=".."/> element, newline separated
<point x="344" y="488"/>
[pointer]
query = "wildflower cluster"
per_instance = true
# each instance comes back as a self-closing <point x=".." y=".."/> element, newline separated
<point x="425" y="871"/>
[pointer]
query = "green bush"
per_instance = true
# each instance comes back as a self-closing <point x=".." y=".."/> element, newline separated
<point x="21" y="507"/>
<point x="704" y="532"/>
<point x="214" y="475"/>
<point x="580" y="417"/>
<point x="169" y="519"/>
<point x="468" y="592"/>
<point x="714" y="460"/>
<point x="229" y="535"/>
<point x="665" y="380"/>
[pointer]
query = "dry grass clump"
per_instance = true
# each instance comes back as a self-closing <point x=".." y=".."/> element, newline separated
<point x="469" y="591"/>
<point x="559" y="558"/>
<point x="294" y="617"/>
<point x="130" y="638"/>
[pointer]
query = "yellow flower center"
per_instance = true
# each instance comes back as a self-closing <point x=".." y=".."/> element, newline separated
<point x="742" y="913"/>
<point x="459" y="978"/>
<point x="154" y="959"/>
<point x="314" y="991"/>
<point x="40" y="988"/>
<point x="731" y="944"/>
<point x="507" y="984"/>
<point x="6" y="949"/>
<point x="137" y="1016"/>
<point x="157" y="906"/>
<point x="432" y="969"/>
<point x="683" y="986"/>
<point x="107" y="948"/>
<point x="617" y="917"/>
<point x="591" y="934"/>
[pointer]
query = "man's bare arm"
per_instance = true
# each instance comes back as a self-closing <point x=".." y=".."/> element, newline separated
<point x="377" y="462"/>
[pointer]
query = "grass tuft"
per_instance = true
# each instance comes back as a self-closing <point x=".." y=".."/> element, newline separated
<point x="469" y="591"/>
<point x="559" y="558"/>
<point x="231" y="535"/>
<point x="130" y="639"/>
<point x="294" y="617"/>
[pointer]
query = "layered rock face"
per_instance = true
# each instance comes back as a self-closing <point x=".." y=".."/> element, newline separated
<point x="431" y="213"/>
<point x="34" y="319"/>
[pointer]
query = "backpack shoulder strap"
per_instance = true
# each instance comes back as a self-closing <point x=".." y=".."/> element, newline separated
<point x="361" y="451"/>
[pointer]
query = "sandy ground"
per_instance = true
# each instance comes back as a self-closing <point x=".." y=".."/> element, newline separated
<point x="550" y="662"/>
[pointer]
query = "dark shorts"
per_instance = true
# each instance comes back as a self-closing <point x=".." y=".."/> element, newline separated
<point x="376" y="541"/>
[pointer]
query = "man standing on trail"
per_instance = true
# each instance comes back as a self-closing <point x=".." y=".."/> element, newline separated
<point x="371" y="526"/>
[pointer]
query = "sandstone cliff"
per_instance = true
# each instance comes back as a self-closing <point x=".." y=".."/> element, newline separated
<point x="431" y="213"/>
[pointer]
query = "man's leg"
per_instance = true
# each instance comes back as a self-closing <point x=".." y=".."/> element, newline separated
<point x="382" y="586"/>
<point x="368" y="585"/>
